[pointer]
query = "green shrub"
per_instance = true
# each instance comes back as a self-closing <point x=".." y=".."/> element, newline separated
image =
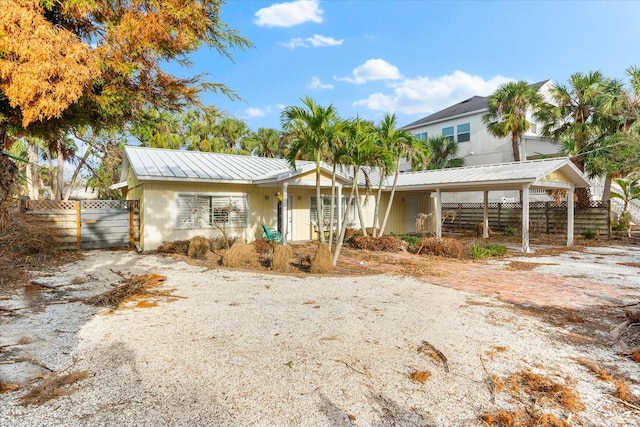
<point x="623" y="222"/>
<point x="411" y="240"/>
<point x="510" y="231"/>
<point x="589" y="233"/>
<point x="485" y="251"/>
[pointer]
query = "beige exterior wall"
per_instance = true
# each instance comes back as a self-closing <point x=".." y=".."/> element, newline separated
<point x="556" y="176"/>
<point x="158" y="207"/>
<point x="406" y="205"/>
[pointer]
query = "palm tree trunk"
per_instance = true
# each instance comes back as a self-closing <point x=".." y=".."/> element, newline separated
<point x="606" y="190"/>
<point x="515" y="146"/>
<point x="363" y="226"/>
<point x="333" y="197"/>
<point x="319" y="200"/>
<point x="393" y="192"/>
<point x="376" y="210"/>
<point x="343" y="228"/>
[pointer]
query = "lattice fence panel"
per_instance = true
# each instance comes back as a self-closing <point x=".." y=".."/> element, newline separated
<point x="50" y="205"/>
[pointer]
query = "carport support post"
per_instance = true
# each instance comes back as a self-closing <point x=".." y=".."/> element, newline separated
<point x="485" y="216"/>
<point x="525" y="219"/>
<point x="339" y="203"/>
<point x="284" y="211"/>
<point x="438" y="214"/>
<point x="570" y="216"/>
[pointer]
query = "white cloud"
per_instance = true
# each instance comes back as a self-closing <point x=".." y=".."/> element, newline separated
<point x="424" y="95"/>
<point x="373" y="69"/>
<point x="255" y="112"/>
<point x="315" y="41"/>
<point x="317" y="84"/>
<point x="294" y="43"/>
<point x="319" y="41"/>
<point x="289" y="14"/>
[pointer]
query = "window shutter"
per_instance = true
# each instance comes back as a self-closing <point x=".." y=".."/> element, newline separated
<point x="186" y="210"/>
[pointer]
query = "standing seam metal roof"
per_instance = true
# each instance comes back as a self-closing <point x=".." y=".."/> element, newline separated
<point x="152" y="163"/>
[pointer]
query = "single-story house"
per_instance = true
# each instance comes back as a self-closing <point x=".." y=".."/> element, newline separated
<point x="187" y="193"/>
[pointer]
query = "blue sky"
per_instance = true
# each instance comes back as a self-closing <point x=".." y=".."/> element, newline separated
<point x="413" y="58"/>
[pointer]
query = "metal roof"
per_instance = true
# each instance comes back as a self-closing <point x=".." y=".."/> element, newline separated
<point x="195" y="166"/>
<point x="198" y="166"/>
<point x="502" y="176"/>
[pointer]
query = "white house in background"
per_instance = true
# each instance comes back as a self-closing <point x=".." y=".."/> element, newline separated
<point x="462" y="122"/>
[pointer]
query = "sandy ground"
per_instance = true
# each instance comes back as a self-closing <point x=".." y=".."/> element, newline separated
<point x="234" y="348"/>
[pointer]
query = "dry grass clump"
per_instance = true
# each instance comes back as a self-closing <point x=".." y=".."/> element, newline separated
<point x="198" y="247"/>
<point x="180" y="247"/>
<point x="53" y="386"/>
<point x="383" y="243"/>
<point x="282" y="256"/>
<point x="221" y="242"/>
<point x="322" y="262"/>
<point x="241" y="255"/>
<point x="263" y="247"/>
<point x="442" y="246"/>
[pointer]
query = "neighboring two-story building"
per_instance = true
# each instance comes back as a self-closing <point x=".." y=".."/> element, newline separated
<point x="462" y="122"/>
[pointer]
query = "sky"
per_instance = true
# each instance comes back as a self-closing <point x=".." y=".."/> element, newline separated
<point x="372" y="57"/>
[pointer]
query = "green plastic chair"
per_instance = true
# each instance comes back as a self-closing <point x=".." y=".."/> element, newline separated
<point x="271" y="234"/>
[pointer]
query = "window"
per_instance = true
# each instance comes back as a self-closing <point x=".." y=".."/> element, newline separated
<point x="326" y="209"/>
<point x="206" y="211"/>
<point x="464" y="132"/>
<point x="447" y="133"/>
<point x="422" y="136"/>
<point x="533" y="128"/>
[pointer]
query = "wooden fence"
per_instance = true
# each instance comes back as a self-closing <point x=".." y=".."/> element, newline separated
<point x="544" y="217"/>
<point x="88" y="224"/>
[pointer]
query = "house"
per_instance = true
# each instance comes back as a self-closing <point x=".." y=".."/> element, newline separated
<point x="462" y="122"/>
<point x="187" y="193"/>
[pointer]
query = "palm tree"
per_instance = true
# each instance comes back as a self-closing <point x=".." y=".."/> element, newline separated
<point x="265" y="142"/>
<point x="232" y="130"/>
<point x="630" y="190"/>
<point x="359" y="149"/>
<point x="573" y="116"/>
<point x="443" y="153"/>
<point x="507" y="115"/>
<point x="401" y="144"/>
<point x="311" y="128"/>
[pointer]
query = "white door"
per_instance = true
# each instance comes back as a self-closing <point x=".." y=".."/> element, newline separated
<point x="290" y="234"/>
<point x="412" y="208"/>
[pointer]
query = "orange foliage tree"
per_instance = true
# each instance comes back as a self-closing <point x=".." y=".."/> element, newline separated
<point x="67" y="64"/>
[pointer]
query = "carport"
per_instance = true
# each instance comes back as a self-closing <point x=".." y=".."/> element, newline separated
<point x="547" y="174"/>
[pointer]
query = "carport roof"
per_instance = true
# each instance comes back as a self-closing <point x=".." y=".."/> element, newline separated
<point x="547" y="173"/>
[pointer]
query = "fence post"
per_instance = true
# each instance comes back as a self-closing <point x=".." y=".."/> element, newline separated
<point x="78" y="226"/>
<point x="546" y="214"/>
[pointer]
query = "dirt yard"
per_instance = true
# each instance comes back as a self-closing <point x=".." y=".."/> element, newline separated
<point x="389" y="339"/>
